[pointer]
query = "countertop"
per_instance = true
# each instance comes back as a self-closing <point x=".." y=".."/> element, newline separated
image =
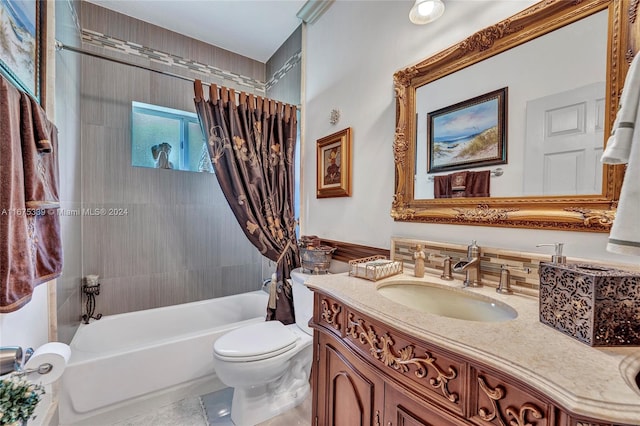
<point x="594" y="382"/>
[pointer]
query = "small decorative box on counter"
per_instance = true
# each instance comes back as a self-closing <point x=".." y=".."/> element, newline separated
<point x="598" y="306"/>
<point x="374" y="268"/>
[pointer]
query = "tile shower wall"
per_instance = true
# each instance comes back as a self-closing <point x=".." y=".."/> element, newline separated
<point x="67" y="110"/>
<point x="170" y="237"/>
<point x="284" y="70"/>
<point x="284" y="84"/>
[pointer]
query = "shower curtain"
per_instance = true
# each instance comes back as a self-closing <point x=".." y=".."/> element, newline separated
<point x="251" y="146"/>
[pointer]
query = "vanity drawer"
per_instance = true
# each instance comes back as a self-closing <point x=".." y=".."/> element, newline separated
<point x="498" y="401"/>
<point x="426" y="370"/>
<point x="328" y="314"/>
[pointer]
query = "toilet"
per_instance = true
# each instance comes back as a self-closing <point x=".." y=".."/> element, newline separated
<point x="268" y="363"/>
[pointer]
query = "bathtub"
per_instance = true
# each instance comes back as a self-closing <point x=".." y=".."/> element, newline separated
<point x="126" y="359"/>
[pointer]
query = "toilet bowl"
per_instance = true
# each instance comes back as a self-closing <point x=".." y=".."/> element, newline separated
<point x="268" y="364"/>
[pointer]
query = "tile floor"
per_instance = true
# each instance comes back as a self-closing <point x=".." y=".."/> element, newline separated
<point x="213" y="410"/>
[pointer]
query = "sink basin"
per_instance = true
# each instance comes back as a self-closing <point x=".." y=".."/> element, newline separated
<point x="447" y="302"/>
<point x="630" y="370"/>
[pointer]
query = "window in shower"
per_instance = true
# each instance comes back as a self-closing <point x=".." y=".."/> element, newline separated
<point x="167" y="138"/>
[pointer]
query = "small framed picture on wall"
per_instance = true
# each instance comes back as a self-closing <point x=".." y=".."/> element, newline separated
<point x="333" y="158"/>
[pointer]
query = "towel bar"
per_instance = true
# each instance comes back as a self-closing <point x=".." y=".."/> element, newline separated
<point x="497" y="172"/>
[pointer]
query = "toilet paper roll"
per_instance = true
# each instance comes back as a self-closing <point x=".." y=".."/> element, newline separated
<point x="48" y="362"/>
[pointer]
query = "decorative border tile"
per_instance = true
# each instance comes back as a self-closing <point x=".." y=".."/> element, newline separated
<point x="491" y="260"/>
<point x="168" y="59"/>
<point x="293" y="61"/>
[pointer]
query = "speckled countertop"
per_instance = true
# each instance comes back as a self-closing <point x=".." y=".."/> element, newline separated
<point x="594" y="382"/>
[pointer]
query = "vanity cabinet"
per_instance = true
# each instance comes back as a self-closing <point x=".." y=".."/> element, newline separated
<point x="498" y="400"/>
<point x="366" y="372"/>
<point x="350" y="391"/>
<point x="404" y="408"/>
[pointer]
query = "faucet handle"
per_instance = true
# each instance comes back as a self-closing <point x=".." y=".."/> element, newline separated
<point x="446" y="266"/>
<point x="557" y="258"/>
<point x="504" y="287"/>
<point x="446" y="269"/>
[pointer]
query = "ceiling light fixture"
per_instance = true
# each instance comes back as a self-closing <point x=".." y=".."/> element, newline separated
<point x="425" y="11"/>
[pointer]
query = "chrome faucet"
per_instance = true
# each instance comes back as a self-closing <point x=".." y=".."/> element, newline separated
<point x="470" y="265"/>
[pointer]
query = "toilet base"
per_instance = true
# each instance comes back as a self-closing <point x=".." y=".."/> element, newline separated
<point x="254" y="404"/>
<point x="251" y="406"/>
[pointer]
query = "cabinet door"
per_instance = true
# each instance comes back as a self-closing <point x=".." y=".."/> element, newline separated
<point x="349" y="392"/>
<point x="403" y="408"/>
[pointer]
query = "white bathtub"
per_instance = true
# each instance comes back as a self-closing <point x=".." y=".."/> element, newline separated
<point x="123" y="360"/>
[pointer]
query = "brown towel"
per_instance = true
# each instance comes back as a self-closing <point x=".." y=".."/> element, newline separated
<point x="40" y="160"/>
<point x="458" y="181"/>
<point x="39" y="153"/>
<point x="30" y="247"/>
<point x="478" y="184"/>
<point x="459" y="184"/>
<point x="15" y="260"/>
<point x="442" y="186"/>
<point x="462" y="184"/>
<point x="42" y="127"/>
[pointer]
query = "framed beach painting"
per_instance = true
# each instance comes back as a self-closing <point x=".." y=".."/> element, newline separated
<point x="21" y="34"/>
<point x="333" y="158"/>
<point x="468" y="134"/>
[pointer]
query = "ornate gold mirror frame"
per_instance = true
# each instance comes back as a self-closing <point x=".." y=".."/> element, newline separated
<point x="593" y="213"/>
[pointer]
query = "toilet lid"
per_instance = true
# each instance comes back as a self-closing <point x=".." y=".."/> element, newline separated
<point x="256" y="341"/>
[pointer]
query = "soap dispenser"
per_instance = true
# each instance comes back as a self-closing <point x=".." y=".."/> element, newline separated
<point x="557" y="258"/>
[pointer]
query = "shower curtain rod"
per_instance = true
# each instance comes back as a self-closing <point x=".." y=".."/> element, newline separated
<point x="61" y="46"/>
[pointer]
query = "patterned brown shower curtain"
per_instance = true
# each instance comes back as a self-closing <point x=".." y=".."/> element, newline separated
<point x="252" y="147"/>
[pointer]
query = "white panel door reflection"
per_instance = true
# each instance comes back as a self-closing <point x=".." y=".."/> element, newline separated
<point x="564" y="140"/>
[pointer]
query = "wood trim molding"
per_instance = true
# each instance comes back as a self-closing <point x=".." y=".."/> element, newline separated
<point x="346" y="251"/>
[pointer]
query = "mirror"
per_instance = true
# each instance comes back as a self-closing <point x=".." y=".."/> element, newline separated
<point x="532" y="193"/>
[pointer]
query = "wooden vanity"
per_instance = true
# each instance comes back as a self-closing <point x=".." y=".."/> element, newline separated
<point x="377" y="362"/>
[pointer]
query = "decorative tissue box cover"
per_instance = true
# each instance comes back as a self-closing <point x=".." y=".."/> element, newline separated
<point x="596" y="305"/>
<point x="374" y="268"/>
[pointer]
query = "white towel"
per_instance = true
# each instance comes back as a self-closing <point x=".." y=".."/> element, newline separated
<point x="622" y="133"/>
<point x="623" y="147"/>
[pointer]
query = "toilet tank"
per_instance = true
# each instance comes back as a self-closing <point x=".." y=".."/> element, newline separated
<point x="302" y="300"/>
